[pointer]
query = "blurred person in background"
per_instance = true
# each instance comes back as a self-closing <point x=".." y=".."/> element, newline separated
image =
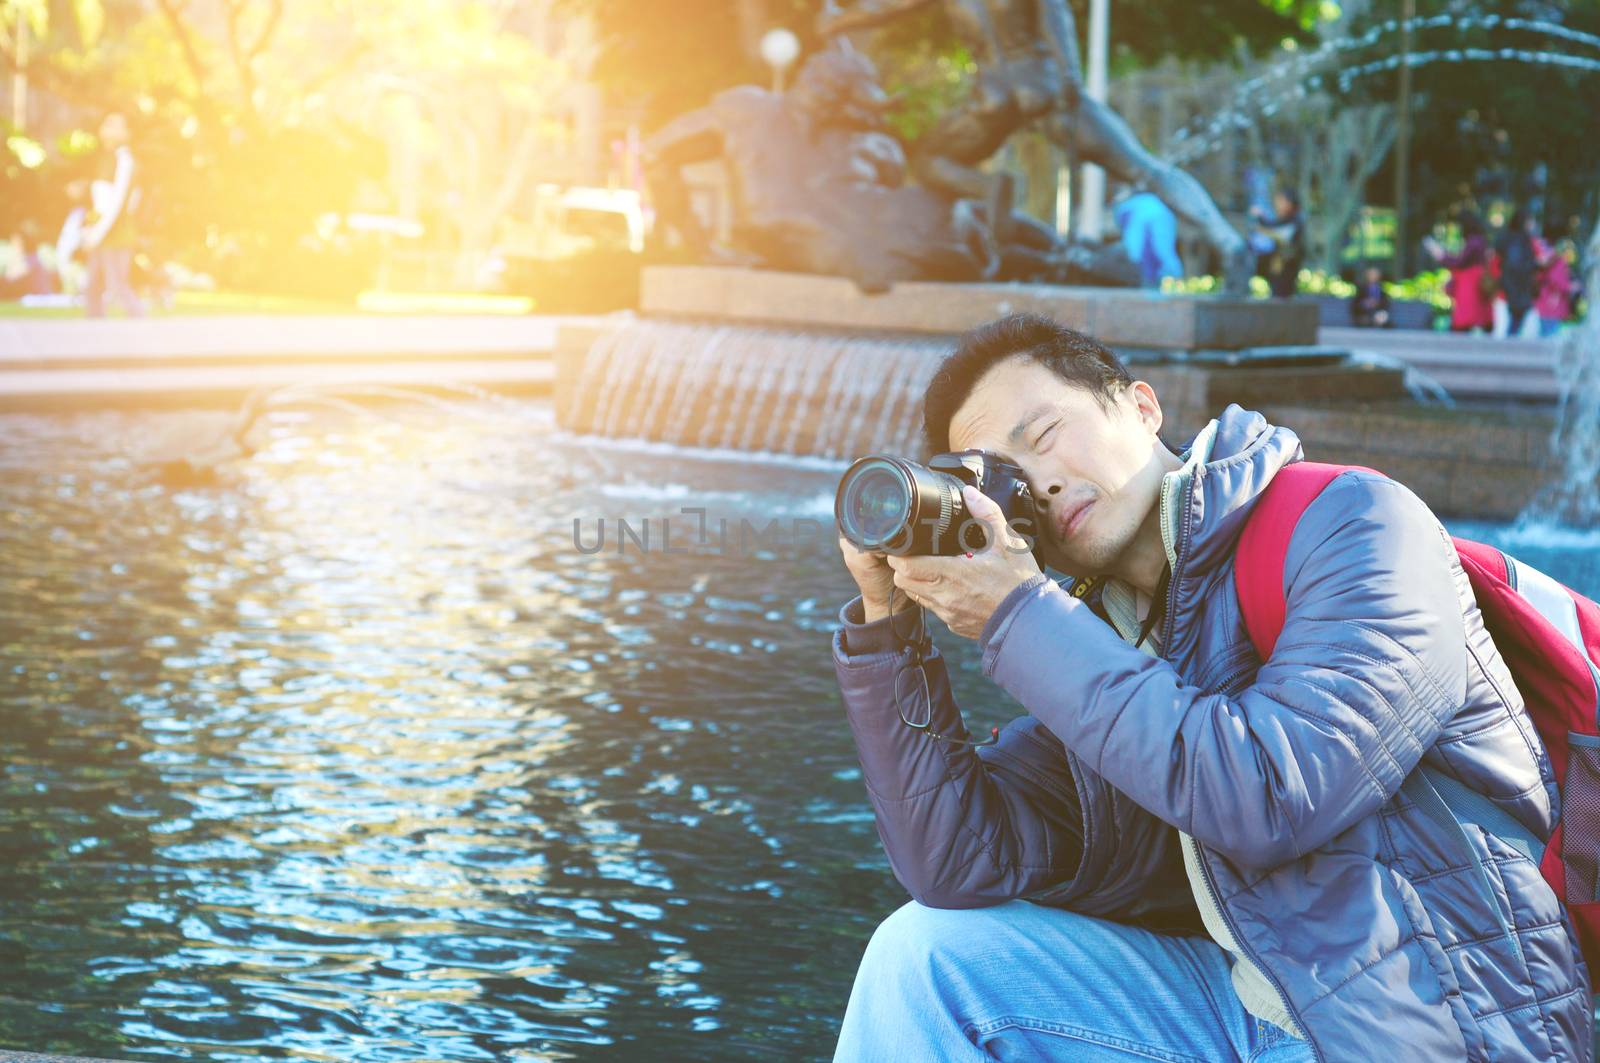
<point x="22" y="271"/>
<point x="1369" y="307"/>
<point x="1281" y="239"/>
<point x="1149" y="235"/>
<point x="1471" y="284"/>
<point x="1557" y="286"/>
<point x="109" y="236"/>
<point x="1519" y="268"/>
<point x="70" y="240"/>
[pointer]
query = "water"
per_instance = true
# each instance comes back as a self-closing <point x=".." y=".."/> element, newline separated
<point x="755" y="389"/>
<point x="352" y="754"/>
<point x="1572" y="498"/>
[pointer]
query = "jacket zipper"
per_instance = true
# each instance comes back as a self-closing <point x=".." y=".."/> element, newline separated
<point x="1205" y="865"/>
<point x="1232" y="677"/>
<point x="1239" y="942"/>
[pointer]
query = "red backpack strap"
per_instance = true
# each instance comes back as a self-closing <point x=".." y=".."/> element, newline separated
<point x="1264" y="545"/>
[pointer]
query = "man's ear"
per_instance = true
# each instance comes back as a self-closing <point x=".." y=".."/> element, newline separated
<point x="1147" y="405"/>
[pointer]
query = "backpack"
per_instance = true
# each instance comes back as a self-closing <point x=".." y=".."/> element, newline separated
<point x="1549" y="637"/>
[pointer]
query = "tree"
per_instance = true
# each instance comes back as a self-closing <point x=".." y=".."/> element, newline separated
<point x="671" y="57"/>
<point x="1488" y="135"/>
<point x="254" y="118"/>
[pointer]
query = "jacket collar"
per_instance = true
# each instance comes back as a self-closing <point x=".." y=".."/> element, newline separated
<point x="1217" y="495"/>
<point x="1227" y="464"/>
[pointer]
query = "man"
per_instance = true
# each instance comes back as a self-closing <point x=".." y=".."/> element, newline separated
<point x="1183" y="852"/>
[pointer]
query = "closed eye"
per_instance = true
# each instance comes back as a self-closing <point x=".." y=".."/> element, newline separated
<point x="1046" y="434"/>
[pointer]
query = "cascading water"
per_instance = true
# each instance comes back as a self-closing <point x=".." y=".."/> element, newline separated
<point x="750" y="387"/>
<point x="1572" y="499"/>
<point x="1292" y="78"/>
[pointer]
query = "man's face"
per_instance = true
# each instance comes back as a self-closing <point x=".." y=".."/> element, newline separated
<point x="1094" y="471"/>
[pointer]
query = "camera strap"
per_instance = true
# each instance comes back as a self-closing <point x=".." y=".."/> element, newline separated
<point x="1158" y="606"/>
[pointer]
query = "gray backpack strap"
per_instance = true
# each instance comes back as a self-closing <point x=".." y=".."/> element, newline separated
<point x="1449" y="803"/>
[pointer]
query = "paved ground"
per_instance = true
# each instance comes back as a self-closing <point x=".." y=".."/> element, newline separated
<point x="35" y="389"/>
<point x="48" y="363"/>
<point x="54" y="342"/>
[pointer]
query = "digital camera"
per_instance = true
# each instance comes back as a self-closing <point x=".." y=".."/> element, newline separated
<point x="907" y="509"/>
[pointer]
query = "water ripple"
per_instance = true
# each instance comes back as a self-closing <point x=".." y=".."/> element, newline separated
<point x="352" y="755"/>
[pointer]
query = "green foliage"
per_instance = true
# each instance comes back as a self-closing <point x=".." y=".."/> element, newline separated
<point x="252" y="119"/>
<point x="1481" y="130"/>
<point x="672" y="57"/>
<point x="242" y="205"/>
<point x="1426" y="287"/>
<point x="1145" y="32"/>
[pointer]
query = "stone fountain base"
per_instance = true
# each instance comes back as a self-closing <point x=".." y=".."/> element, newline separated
<point x="787" y="363"/>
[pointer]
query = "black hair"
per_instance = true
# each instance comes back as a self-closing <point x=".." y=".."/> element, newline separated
<point x="1080" y="360"/>
<point x="1471" y="224"/>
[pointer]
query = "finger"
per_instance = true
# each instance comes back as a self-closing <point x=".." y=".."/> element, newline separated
<point x="927" y="571"/>
<point x="987" y="510"/>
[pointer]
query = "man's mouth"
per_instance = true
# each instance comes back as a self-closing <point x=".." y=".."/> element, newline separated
<point x="1070" y="518"/>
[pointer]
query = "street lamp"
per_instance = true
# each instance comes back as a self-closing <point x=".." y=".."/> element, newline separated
<point x="779" y="49"/>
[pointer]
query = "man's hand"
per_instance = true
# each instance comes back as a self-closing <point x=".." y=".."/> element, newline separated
<point x="965" y="591"/>
<point x="874" y="578"/>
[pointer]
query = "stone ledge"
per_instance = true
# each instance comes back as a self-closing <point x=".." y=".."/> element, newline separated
<point x="1481" y="463"/>
<point x="1115" y="316"/>
<point x="33" y="391"/>
<point x="247" y="340"/>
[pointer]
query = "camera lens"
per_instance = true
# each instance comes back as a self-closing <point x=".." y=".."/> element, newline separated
<point x="899" y="507"/>
<point x="875" y="503"/>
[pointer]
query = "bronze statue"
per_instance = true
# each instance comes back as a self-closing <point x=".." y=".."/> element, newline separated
<point x="1028" y="72"/>
<point x="817" y="183"/>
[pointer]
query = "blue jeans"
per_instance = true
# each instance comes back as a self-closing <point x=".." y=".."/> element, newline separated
<point x="1024" y="982"/>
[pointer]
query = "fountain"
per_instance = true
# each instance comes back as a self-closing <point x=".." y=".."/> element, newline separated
<point x="1573" y="497"/>
<point x="802" y="364"/>
<point x="1290" y="78"/>
<point x="797" y="364"/>
<point x="778" y="363"/>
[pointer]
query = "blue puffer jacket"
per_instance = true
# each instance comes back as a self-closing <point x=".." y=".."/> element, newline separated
<point x="1359" y="908"/>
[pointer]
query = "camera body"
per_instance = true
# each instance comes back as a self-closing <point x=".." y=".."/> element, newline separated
<point x="907" y="509"/>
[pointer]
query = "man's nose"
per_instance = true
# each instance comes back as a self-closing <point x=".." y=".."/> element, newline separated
<point x="1044" y="493"/>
